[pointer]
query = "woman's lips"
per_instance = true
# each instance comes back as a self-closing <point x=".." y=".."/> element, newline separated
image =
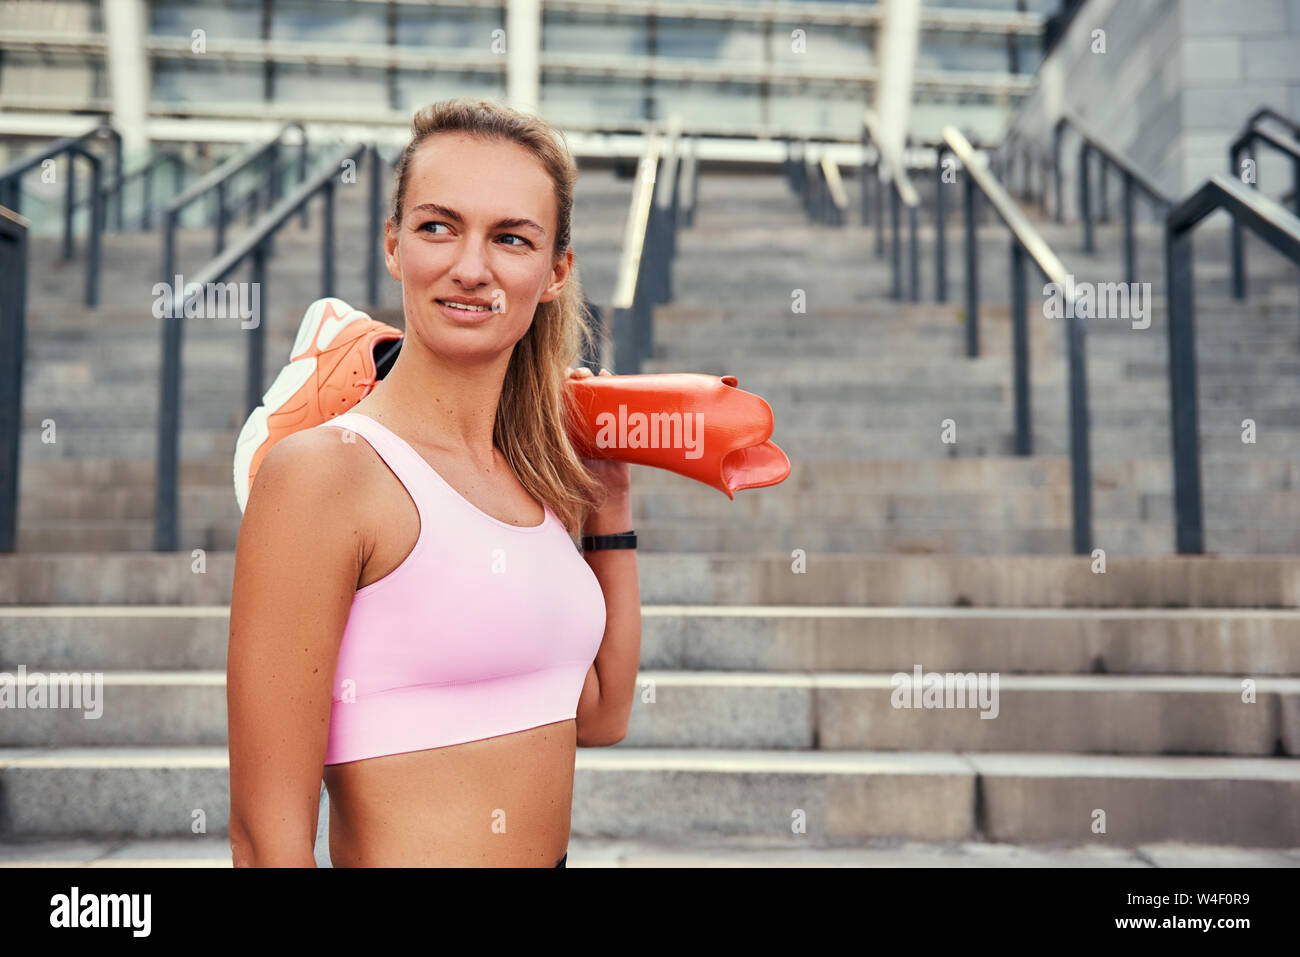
<point x="463" y="315"/>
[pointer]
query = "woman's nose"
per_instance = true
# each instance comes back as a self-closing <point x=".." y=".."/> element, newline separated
<point x="470" y="264"/>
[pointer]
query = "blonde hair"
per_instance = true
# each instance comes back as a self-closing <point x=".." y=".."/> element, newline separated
<point x="533" y="409"/>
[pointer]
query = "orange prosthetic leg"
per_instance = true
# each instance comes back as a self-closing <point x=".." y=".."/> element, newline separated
<point x="699" y="426"/>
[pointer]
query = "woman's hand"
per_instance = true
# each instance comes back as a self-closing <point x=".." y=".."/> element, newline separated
<point x="614" y="476"/>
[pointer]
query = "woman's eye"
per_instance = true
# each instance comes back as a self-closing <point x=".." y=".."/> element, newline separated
<point x="437" y="222"/>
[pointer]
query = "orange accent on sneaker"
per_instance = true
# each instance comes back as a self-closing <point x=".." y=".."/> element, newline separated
<point x="331" y="369"/>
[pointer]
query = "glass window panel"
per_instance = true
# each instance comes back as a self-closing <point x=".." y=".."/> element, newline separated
<point x="237" y="19"/>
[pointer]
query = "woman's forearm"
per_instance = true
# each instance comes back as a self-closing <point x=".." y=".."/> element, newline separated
<point x="275" y="852"/>
<point x="619" y="656"/>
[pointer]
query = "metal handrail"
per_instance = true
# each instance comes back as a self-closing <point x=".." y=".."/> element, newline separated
<point x="11" y="196"/>
<point x="834" y="183"/>
<point x="1268" y="113"/>
<point x="649" y="244"/>
<point x="256" y="244"/>
<point x="1112" y="157"/>
<point x="215" y="181"/>
<point x="890" y="167"/>
<point x="145" y="172"/>
<point x="1280" y="229"/>
<point x="815" y="178"/>
<point x="1132" y="179"/>
<point x="826" y="200"/>
<point x="1245" y="143"/>
<point x="1026" y="241"/>
<point x="13" y="322"/>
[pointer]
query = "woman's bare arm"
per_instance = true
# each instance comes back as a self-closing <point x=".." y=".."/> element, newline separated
<point x="608" y="693"/>
<point x="301" y="549"/>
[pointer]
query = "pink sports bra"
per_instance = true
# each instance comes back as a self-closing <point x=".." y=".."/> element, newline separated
<point x="484" y="629"/>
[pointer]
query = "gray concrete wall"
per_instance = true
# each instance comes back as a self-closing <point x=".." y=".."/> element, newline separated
<point x="1175" y="83"/>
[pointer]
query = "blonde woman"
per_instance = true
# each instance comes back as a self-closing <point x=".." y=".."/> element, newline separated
<point x="411" y="618"/>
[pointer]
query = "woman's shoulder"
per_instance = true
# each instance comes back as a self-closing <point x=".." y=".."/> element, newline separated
<point x="313" y="469"/>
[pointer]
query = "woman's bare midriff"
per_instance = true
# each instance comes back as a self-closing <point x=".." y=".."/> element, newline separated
<point x="499" y="802"/>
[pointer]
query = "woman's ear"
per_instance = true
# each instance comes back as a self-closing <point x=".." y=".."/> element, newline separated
<point x="559" y="273"/>
<point x="392" y="259"/>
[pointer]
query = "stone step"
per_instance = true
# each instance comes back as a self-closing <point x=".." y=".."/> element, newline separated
<point x="1151" y="538"/>
<point x="113" y="473"/>
<point x="805" y="638"/>
<point x="1018" y="505"/>
<point x="665" y="792"/>
<point x="767" y="371"/>
<point x="993" y="506"/>
<point x="1148" y="540"/>
<point x="1033" y="581"/>
<point x="688" y="354"/>
<point x="109" y="535"/>
<point x="847" y="711"/>
<point x="864" y="409"/>
<point x="993" y="436"/>
<point x="134" y="478"/>
<point x="203" y="851"/>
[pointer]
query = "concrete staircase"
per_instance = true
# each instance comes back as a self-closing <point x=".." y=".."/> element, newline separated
<point x="1155" y="701"/>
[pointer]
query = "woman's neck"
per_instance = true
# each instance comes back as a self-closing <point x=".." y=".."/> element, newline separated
<point x="450" y="405"/>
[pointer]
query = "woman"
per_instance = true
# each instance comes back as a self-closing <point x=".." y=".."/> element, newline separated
<point x="410" y="617"/>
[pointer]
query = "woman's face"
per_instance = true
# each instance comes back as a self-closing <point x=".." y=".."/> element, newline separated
<point x="478" y="222"/>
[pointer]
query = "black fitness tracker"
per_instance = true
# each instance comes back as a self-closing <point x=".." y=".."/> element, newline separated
<point x="592" y="543"/>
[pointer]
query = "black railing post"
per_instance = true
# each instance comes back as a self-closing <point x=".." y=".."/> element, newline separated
<point x="1020" y="349"/>
<point x="169" y="423"/>
<point x="1130" y="241"/>
<point x="327" y="240"/>
<point x="94" y="241"/>
<point x="878" y="185"/>
<point x="1085" y="198"/>
<point x="257" y="333"/>
<point x="1080" y="453"/>
<point x="220" y="198"/>
<point x="972" y="272"/>
<point x="69" y="204"/>
<point x="120" y="189"/>
<point x="896" y="241"/>
<point x="13" y="317"/>
<point x="862" y="174"/>
<point x="913" y="253"/>
<point x="1235" y="250"/>
<point x="1295" y="180"/>
<point x="303" y="221"/>
<point x="1189" y="534"/>
<point x="169" y="245"/>
<point x="1103" y="191"/>
<point x="146" y="197"/>
<point x="671" y="214"/>
<point x="940" y="251"/>
<point x="375" y="247"/>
